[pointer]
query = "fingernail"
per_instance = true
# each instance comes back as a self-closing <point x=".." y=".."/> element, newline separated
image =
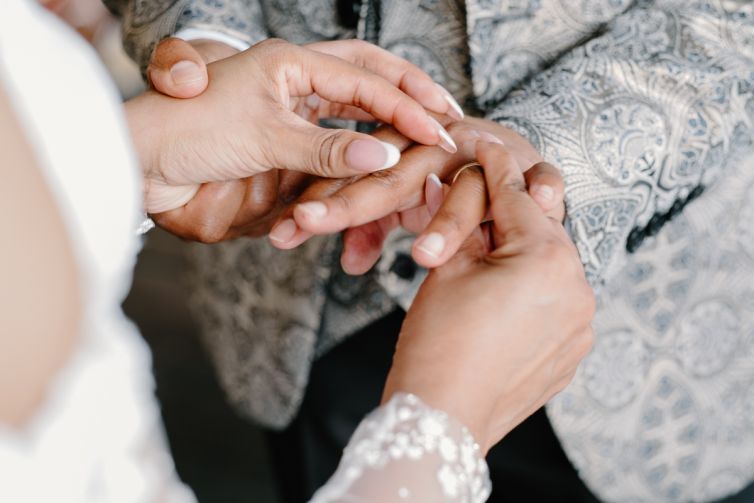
<point x="446" y="141"/>
<point x="455" y="112"/>
<point x="186" y="72"/>
<point x="433" y="194"/>
<point x="432" y="244"/>
<point x="315" y="210"/>
<point x="284" y="231"/>
<point x="372" y="155"/>
<point x="491" y="138"/>
<point x="543" y="193"/>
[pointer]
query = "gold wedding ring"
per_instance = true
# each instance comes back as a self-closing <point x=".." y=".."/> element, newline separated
<point x="470" y="165"/>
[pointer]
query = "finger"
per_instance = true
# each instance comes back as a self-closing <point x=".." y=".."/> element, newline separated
<point x="433" y="193"/>
<point x="330" y="110"/>
<point x="515" y="214"/>
<point x="177" y="69"/>
<point x="208" y="217"/>
<point x="470" y="252"/>
<point x="399" y="72"/>
<point x="362" y="246"/>
<point x="260" y="198"/>
<point x="313" y="108"/>
<point x="461" y="212"/>
<point x="546" y="187"/>
<point x="374" y="196"/>
<point x="415" y="220"/>
<point x="330" y="153"/>
<point x="389" y="134"/>
<point x="339" y="81"/>
<point x="285" y="233"/>
<point x="385" y="192"/>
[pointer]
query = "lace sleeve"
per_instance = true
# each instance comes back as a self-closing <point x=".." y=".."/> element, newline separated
<point x="405" y="451"/>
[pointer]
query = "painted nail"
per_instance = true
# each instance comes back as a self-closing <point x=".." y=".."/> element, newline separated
<point x="372" y="155"/>
<point x="186" y="72"/>
<point x="455" y="112"/>
<point x="491" y="138"/>
<point x="433" y="194"/>
<point x="284" y="231"/>
<point x="446" y="141"/>
<point x="433" y="244"/>
<point x="315" y="210"/>
<point x="544" y="194"/>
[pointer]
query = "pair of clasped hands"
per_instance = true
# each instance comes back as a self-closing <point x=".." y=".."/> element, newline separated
<point x="231" y="147"/>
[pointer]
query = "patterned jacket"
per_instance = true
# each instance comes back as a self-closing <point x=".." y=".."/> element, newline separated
<point x="646" y="106"/>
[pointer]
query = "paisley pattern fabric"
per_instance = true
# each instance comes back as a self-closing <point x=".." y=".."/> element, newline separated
<point x="644" y="105"/>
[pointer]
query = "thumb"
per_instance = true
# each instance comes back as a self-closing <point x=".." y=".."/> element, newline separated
<point x="177" y="70"/>
<point x="333" y="153"/>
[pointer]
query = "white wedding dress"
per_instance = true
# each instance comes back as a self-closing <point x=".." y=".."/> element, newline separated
<point x="98" y="436"/>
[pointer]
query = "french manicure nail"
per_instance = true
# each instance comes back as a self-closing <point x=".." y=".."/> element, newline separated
<point x="543" y="193"/>
<point x="433" y="194"/>
<point x="372" y="155"/>
<point x="491" y="138"/>
<point x="455" y="112"/>
<point x="433" y="244"/>
<point x="186" y="72"/>
<point x="315" y="210"/>
<point x="446" y="141"/>
<point x="284" y="231"/>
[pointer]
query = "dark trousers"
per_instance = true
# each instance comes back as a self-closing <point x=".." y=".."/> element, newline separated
<point x="528" y="465"/>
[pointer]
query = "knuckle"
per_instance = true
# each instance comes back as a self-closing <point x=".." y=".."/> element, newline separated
<point x="390" y="179"/>
<point x="455" y="129"/>
<point x="451" y="221"/>
<point x="342" y="201"/>
<point x="392" y="183"/>
<point x="325" y="157"/>
<point x="361" y="46"/>
<point x="514" y="183"/>
<point x="271" y="43"/>
<point x="208" y="232"/>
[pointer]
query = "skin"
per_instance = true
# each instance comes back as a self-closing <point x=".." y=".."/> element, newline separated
<point x="185" y="143"/>
<point x="508" y="353"/>
<point x="382" y="201"/>
<point x="369" y="209"/>
<point x="524" y="251"/>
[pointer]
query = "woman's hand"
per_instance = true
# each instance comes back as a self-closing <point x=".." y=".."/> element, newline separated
<point x="244" y="123"/>
<point x="498" y="330"/>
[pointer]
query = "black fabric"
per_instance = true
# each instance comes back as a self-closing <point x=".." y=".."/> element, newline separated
<point x="528" y="465"/>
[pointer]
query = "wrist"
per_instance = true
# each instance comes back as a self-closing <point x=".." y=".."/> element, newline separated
<point x="457" y="401"/>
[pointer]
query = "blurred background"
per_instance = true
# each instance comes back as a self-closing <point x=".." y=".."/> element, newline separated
<point x="222" y="457"/>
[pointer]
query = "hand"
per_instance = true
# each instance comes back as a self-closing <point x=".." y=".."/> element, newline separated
<point x="373" y="206"/>
<point x="497" y="331"/>
<point x="240" y="127"/>
<point x="239" y="208"/>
